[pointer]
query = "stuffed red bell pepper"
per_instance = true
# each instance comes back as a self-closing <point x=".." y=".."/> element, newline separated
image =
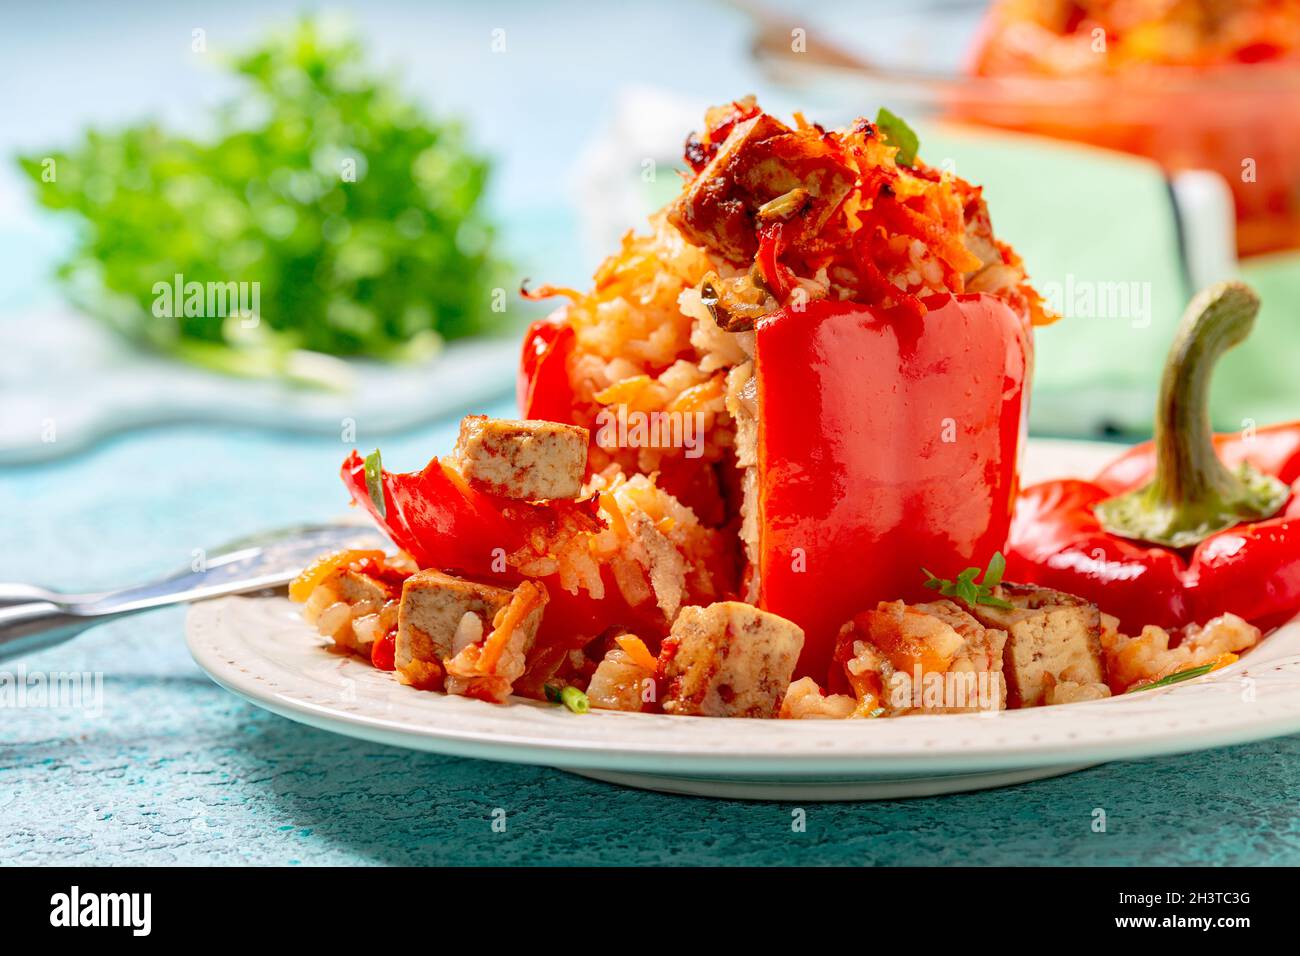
<point x="1185" y="527"/>
<point x="853" y="342"/>
<point x="879" y="453"/>
<point x="805" y="383"/>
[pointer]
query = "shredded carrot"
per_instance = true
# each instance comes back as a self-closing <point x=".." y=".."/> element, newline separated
<point x="616" y="522"/>
<point x="547" y="291"/>
<point x="634" y="392"/>
<point x="1223" y="660"/>
<point x="527" y="597"/>
<point x="697" y="396"/>
<point x="316" y="572"/>
<point x="635" y="648"/>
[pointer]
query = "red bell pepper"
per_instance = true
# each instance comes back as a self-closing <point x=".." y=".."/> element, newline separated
<point x="888" y="441"/>
<point x="779" y="278"/>
<point x="444" y="523"/>
<point x="1185" y="527"/>
<point x="439" y="520"/>
<point x="544" y="389"/>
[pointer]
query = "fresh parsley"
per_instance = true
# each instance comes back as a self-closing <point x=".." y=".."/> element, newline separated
<point x="973" y="592"/>
<point x="355" y="214"/>
<point x="899" y="135"/>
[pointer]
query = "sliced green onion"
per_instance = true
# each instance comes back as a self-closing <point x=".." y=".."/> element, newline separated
<point x="375" y="482"/>
<point x="575" y="700"/>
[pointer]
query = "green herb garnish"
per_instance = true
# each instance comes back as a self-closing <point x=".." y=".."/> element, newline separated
<point x="375" y="482"/>
<point x="1177" y="678"/>
<point x="355" y="214"/>
<point x="570" y="697"/>
<point x="898" y="134"/>
<point x="575" y="700"/>
<point x="973" y="592"/>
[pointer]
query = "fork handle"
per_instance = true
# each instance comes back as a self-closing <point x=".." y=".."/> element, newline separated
<point x="36" y="625"/>
<point x="11" y="594"/>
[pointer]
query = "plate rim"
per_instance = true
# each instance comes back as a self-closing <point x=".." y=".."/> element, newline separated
<point x="844" y="758"/>
<point x="205" y="618"/>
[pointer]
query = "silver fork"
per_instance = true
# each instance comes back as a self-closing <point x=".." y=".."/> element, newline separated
<point x="33" y="618"/>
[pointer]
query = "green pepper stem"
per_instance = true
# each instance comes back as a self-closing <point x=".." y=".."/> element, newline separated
<point x="1193" y="494"/>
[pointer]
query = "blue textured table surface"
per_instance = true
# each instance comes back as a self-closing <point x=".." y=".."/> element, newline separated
<point x="174" y="770"/>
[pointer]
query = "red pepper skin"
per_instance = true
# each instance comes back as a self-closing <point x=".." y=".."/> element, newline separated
<point x="1252" y="570"/>
<point x="1057" y="541"/>
<point x="383" y="652"/>
<point x="445" y="523"/>
<point x="1273" y="449"/>
<point x="858" y="488"/>
<point x="441" y="522"/>
<point x="771" y="244"/>
<point x="543" y="387"/>
<point x="545" y="392"/>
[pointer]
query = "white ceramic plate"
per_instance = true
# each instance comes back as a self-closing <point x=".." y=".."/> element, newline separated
<point x="260" y="649"/>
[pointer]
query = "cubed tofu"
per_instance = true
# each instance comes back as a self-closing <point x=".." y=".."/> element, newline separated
<point x="356" y="587"/>
<point x="347" y="598"/>
<point x="1052" y="637"/>
<point x="958" y="660"/>
<point x="433" y="611"/>
<point x="761" y="160"/>
<point x="729" y="660"/>
<point x="488" y="669"/>
<point x="529" y="460"/>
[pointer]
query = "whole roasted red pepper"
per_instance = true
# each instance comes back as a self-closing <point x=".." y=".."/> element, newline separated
<point x="888" y="441"/>
<point x="1185" y="527"/>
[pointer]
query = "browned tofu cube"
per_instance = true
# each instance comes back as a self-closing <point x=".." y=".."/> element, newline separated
<point x="438" y="614"/>
<point x="529" y="460"/>
<point x="352" y="608"/>
<point x="1052" y="637"/>
<point x="761" y="160"/>
<point x="729" y="660"/>
<point x="354" y="587"/>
